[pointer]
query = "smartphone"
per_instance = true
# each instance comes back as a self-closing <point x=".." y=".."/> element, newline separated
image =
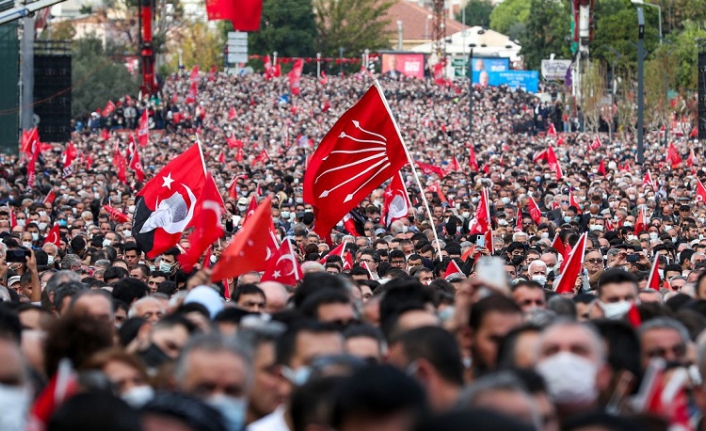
<point x="491" y="270"/>
<point x="17" y="255"/>
<point x="632" y="258"/>
<point x="480" y="241"/>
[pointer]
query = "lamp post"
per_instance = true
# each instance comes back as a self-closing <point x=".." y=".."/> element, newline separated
<point x="340" y="58"/>
<point x="659" y="12"/>
<point x="399" y="34"/>
<point x="470" y="88"/>
<point x="640" y="85"/>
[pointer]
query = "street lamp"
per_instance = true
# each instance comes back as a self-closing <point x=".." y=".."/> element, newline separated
<point x="340" y="58"/>
<point x="659" y="12"/>
<point x="640" y="85"/>
<point x="470" y="88"/>
<point x="399" y="34"/>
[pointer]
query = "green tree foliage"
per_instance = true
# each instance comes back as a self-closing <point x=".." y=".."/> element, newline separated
<point x="477" y="13"/>
<point x="287" y="26"/>
<point x="509" y="13"/>
<point x="63" y="30"/>
<point x="683" y="46"/>
<point x="592" y="91"/>
<point x="660" y="74"/>
<point x="545" y="33"/>
<point x="200" y="46"/>
<point x="96" y="78"/>
<point x="355" y="25"/>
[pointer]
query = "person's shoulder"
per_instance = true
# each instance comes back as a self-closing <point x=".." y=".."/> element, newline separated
<point x="272" y="422"/>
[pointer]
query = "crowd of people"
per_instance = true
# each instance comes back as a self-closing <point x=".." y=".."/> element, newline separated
<point x="94" y="334"/>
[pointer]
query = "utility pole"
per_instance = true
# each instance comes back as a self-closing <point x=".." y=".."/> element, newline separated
<point x="469" y="72"/>
<point x="640" y="85"/>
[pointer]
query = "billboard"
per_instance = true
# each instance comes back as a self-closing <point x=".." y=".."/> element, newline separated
<point x="406" y="64"/>
<point x="553" y="70"/>
<point x="527" y="80"/>
<point x="484" y="65"/>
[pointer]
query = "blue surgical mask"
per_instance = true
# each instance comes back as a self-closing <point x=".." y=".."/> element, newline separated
<point x="165" y="267"/>
<point x="297" y="377"/>
<point x="231" y="409"/>
<point x="567" y="219"/>
<point x="62" y="222"/>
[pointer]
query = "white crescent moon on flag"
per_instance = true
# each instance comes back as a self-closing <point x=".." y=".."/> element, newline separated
<point x="164" y="214"/>
<point x="290" y="258"/>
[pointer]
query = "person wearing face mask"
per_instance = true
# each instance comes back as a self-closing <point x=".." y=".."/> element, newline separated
<point x="537" y="272"/>
<point x="126" y="372"/>
<point x="217" y="371"/>
<point x="15" y="388"/>
<point x="564" y="348"/>
<point x="617" y="291"/>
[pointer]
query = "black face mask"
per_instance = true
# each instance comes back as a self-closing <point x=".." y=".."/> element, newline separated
<point x="517" y="260"/>
<point x="604" y="251"/>
<point x="154" y="357"/>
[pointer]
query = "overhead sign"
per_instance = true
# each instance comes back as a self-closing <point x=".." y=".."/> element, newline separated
<point x="237" y="47"/>
<point x="553" y="70"/>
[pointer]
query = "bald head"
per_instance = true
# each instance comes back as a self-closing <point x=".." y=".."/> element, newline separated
<point x="276" y="296"/>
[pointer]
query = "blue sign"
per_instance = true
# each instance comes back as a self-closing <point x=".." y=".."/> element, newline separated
<point x="526" y="80"/>
<point x="487" y="65"/>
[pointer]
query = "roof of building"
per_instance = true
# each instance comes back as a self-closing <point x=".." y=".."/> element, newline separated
<point x="414" y="21"/>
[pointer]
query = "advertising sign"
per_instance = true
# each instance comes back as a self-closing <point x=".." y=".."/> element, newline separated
<point x="482" y="66"/>
<point x="527" y="80"/>
<point x="553" y="70"/>
<point x="406" y="64"/>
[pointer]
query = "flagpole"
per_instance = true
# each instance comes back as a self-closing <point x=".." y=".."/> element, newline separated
<point x="203" y="160"/>
<point x="411" y="162"/>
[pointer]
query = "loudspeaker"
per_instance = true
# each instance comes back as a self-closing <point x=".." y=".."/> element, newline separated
<point x="52" y="96"/>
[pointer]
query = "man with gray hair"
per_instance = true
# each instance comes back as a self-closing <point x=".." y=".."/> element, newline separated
<point x="216" y="370"/>
<point x="663" y="337"/>
<point x="148" y="308"/>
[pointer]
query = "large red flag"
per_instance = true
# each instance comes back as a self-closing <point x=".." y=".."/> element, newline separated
<point x="54" y="236"/>
<point x="49" y="198"/>
<point x="481" y="222"/>
<point x="700" y="192"/>
<point x="551" y="132"/>
<point x="284" y="269"/>
<point x="166" y="204"/>
<point x="648" y="181"/>
<point x="534" y="210"/>
<point x="573" y="267"/>
<point x="295" y="76"/>
<point x="361" y="151"/>
<point x="252" y="207"/>
<point x="558" y="245"/>
<point x="248" y="251"/>
<point x="549" y="155"/>
<point x="396" y="204"/>
<point x="109" y="108"/>
<point x="207" y="225"/>
<point x="244" y="14"/>
<point x="143" y="130"/>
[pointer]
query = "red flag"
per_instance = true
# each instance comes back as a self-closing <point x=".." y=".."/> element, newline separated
<point x="439" y="73"/>
<point x="221" y="157"/>
<point x="285" y="268"/>
<point x="143" y="130"/>
<point x="166" y="204"/>
<point x="430" y="169"/>
<point x="54" y="236"/>
<point x="116" y="215"/>
<point x="653" y="281"/>
<point x="361" y="151"/>
<point x="558" y="245"/>
<point x="105" y="135"/>
<point x="601" y="168"/>
<point x="121" y="166"/>
<point x="470" y="251"/>
<point x="560" y="141"/>
<point x="472" y="159"/>
<point x="700" y="191"/>
<point x="232" y="115"/>
<point x="244" y="14"/>
<point x="194" y="76"/>
<point x="452" y="270"/>
<point x="396" y="204"/>
<point x="263" y="157"/>
<point x="573" y="268"/>
<point x="252" y="207"/>
<point x="136" y="165"/>
<point x="212" y="73"/>
<point x="207" y="257"/>
<point x="207" y="225"/>
<point x="640" y="222"/>
<point x="453" y="166"/>
<point x="691" y="159"/>
<point x="13" y="217"/>
<point x="481" y="222"/>
<point x="192" y="94"/>
<point x="633" y="316"/>
<point x="324" y="78"/>
<point x="62" y="386"/>
<point x="337" y="251"/>
<point x="489" y="240"/>
<point x="294" y="76"/>
<point x="109" y="108"/>
<point x="239" y="155"/>
<point x="626" y="167"/>
<point x="534" y="210"/>
<point x="574" y="203"/>
<point x="549" y="155"/>
<point x="551" y="132"/>
<point x="596" y="144"/>
<point x="30" y="139"/>
<point x="673" y="155"/>
<point x="518" y="224"/>
<point x="248" y="251"/>
<point x="50" y="197"/>
<point x="89" y="162"/>
<point x="68" y="158"/>
<point x="234" y="143"/>
<point x="269" y="71"/>
<point x="648" y="181"/>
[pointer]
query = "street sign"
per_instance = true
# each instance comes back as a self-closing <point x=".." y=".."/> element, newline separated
<point x="459" y="62"/>
<point x="553" y="70"/>
<point x="237" y="47"/>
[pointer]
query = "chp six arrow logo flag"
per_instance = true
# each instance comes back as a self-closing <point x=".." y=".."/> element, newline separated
<point x="207" y="225"/>
<point x="143" y="130"/>
<point x="136" y="165"/>
<point x="396" y="204"/>
<point x="534" y="211"/>
<point x="166" y="205"/>
<point x="673" y="155"/>
<point x="571" y="271"/>
<point x="362" y="150"/>
<point x="248" y="251"/>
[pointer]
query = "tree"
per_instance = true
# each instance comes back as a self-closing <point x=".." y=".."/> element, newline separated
<point x="507" y="13"/>
<point x="287" y="26"/>
<point x="686" y="56"/>
<point x="63" y="30"/>
<point x="477" y="13"/>
<point x="200" y="46"/>
<point x="355" y="25"/>
<point x="592" y="93"/>
<point x="546" y="30"/>
<point x="659" y="74"/>
<point x="96" y="78"/>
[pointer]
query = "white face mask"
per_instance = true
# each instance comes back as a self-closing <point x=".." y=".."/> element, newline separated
<point x="544" y="235"/>
<point x="465" y="214"/>
<point x="26" y="244"/>
<point x="615" y="310"/>
<point x="654" y="236"/>
<point x="232" y="410"/>
<point x="165" y="267"/>
<point x="567" y="386"/>
<point x="21" y="222"/>
<point x="596" y="227"/>
<point x="42" y="226"/>
<point x="50" y="259"/>
<point x="15" y="402"/>
<point x="107" y="242"/>
<point x="627" y="224"/>
<point x="127" y="233"/>
<point x="541" y="279"/>
<point x="131" y="209"/>
<point x="138" y="396"/>
<point x="35" y="236"/>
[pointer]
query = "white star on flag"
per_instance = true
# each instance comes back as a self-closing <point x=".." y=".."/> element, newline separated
<point x="277" y="274"/>
<point x="168" y="181"/>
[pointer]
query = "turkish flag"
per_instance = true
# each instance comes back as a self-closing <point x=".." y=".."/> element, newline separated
<point x="136" y="165"/>
<point x="534" y="210"/>
<point x="626" y="167"/>
<point x="166" y="205"/>
<point x="54" y="236"/>
<point x="452" y="270"/>
<point x="653" y="280"/>
<point x="558" y="245"/>
<point x="551" y="159"/>
<point x="116" y="215"/>
<point x="551" y="132"/>
<point x="640" y="222"/>
<point x="30" y="139"/>
<point x="121" y="166"/>
<point x="573" y="267"/>
<point x="248" y="251"/>
<point x="252" y="207"/>
<point x="143" y="130"/>
<point x="428" y="169"/>
<point x="50" y="197"/>
<point x="481" y="222"/>
<point x="244" y="14"/>
<point x="284" y="267"/>
<point x="596" y="144"/>
<point x="453" y="166"/>
<point x="337" y="251"/>
<point x="262" y="157"/>
<point x="601" y="168"/>
<point x="673" y="155"/>
<point x="207" y="225"/>
<point x="472" y="159"/>
<point x="396" y="204"/>
<point x="68" y="158"/>
<point x="361" y="151"/>
<point x="295" y="76"/>
<point x="574" y="203"/>
<point x="648" y="181"/>
<point x="62" y="386"/>
<point x="700" y="191"/>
